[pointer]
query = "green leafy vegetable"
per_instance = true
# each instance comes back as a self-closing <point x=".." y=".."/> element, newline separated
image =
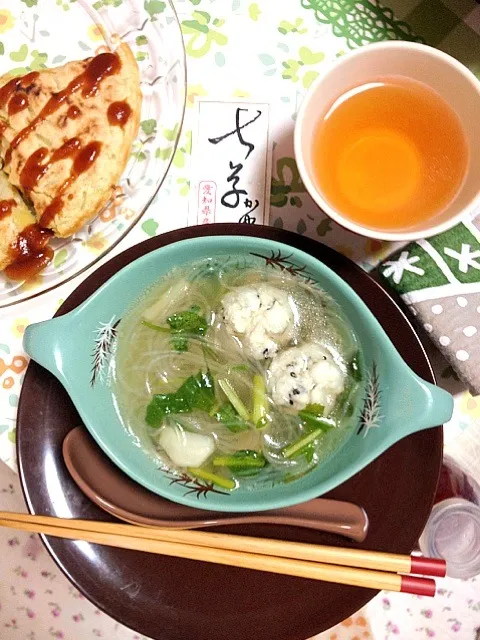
<point x="312" y="417"/>
<point x="227" y="415"/>
<point x="188" y="322"/>
<point x="182" y="325"/>
<point x="163" y="404"/>
<point x="234" y="398"/>
<point x="225" y="483"/>
<point x="246" y="459"/>
<point x="180" y="344"/>
<point x="295" y="448"/>
<point x="197" y="392"/>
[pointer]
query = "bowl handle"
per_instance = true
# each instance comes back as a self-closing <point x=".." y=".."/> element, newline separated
<point x="428" y="406"/>
<point x="41" y="341"/>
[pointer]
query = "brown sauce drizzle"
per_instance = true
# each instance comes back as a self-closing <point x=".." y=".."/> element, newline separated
<point x="17" y="103"/>
<point x="83" y="160"/>
<point x="73" y="112"/>
<point x="14" y="85"/>
<point x="103" y="65"/>
<point x="67" y="150"/>
<point x="118" y="113"/>
<point x="6" y="207"/>
<point x="30" y="253"/>
<point x="98" y="68"/>
<point x="35" y="167"/>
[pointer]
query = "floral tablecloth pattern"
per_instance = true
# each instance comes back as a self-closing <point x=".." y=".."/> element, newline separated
<point x="38" y="603"/>
<point x="268" y="51"/>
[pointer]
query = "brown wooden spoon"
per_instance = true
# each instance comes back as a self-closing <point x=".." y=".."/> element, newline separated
<point x="114" y="492"/>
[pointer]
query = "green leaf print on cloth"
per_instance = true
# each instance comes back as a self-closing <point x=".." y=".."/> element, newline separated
<point x="289" y="27"/>
<point x="38" y="60"/>
<point x="440" y="279"/>
<point x="360" y="21"/>
<point x="154" y="7"/>
<point x="254" y="11"/>
<point x="413" y="268"/>
<point x="286" y="183"/>
<point x="460" y="248"/>
<point x="446" y="261"/>
<point x="202" y="36"/>
<point x="294" y="69"/>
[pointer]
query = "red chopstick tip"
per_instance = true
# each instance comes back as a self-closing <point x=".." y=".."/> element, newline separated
<point x="417" y="586"/>
<point x="428" y="566"/>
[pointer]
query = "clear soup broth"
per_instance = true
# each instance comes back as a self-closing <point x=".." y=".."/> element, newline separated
<point x="238" y="376"/>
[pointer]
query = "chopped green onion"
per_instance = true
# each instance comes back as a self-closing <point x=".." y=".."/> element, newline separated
<point x="291" y="477"/>
<point x="239" y="367"/>
<point x="208" y="352"/>
<point x="232" y="395"/>
<point x="156" y="327"/>
<point x="313" y="418"/>
<point x="315" y="408"/>
<point x="214" y="410"/>
<point x="260" y="401"/>
<point x="294" y="448"/>
<point x="354" y="367"/>
<point x="343" y="401"/>
<point x="349" y="410"/>
<point x="225" y="483"/>
<point x="241" y="460"/>
<point x="264" y="421"/>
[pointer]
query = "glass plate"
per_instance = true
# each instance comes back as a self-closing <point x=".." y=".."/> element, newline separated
<point x="52" y="32"/>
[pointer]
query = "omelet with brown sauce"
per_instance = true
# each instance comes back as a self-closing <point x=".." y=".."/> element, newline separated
<point x="66" y="135"/>
<point x="15" y="216"/>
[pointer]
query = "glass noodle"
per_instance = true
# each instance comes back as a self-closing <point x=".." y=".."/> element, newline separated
<point x="179" y="370"/>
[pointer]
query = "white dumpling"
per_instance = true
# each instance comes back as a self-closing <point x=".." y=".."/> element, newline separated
<point x="261" y="316"/>
<point x="186" y="449"/>
<point x="304" y="375"/>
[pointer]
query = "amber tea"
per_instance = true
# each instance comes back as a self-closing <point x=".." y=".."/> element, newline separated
<point x="390" y="154"/>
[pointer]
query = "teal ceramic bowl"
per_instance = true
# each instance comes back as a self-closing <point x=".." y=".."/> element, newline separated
<point x="76" y="348"/>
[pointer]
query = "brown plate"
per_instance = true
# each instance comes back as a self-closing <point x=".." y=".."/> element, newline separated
<point x="175" y="599"/>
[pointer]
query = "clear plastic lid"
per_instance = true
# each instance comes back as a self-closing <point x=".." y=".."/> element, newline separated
<point x="453" y="533"/>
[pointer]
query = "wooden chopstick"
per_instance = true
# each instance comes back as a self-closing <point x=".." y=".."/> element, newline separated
<point x="360" y="558"/>
<point x="172" y="543"/>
